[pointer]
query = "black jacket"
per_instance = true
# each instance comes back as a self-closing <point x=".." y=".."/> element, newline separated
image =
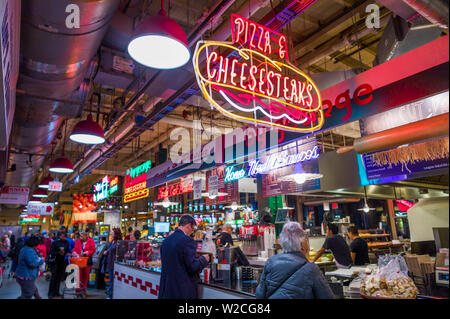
<point x="226" y="238"/>
<point x="180" y="267"/>
<point x="54" y="250"/>
<point x="292" y="276"/>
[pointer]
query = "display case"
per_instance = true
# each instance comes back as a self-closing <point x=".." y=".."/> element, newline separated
<point x="140" y="254"/>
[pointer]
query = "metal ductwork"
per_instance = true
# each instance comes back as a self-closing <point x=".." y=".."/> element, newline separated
<point x="54" y="62"/>
<point x="433" y="127"/>
<point x="435" y="11"/>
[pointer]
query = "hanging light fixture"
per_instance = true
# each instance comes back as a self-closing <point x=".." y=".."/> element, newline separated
<point x="165" y="203"/>
<point x="159" y="42"/>
<point x="214" y="196"/>
<point x="34" y="200"/>
<point x="40" y="193"/>
<point x="45" y="181"/>
<point x="62" y="164"/>
<point x="87" y="132"/>
<point x="299" y="176"/>
<point x="366" y="208"/>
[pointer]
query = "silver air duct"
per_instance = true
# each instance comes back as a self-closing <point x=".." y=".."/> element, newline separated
<point x="55" y="57"/>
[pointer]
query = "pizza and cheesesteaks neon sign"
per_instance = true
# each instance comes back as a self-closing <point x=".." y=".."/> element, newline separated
<point x="256" y="86"/>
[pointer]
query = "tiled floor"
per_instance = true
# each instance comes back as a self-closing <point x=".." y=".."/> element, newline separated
<point x="11" y="289"/>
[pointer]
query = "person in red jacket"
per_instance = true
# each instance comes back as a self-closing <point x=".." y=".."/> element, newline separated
<point x="84" y="247"/>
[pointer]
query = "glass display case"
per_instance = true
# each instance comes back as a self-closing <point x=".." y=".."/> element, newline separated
<point x="140" y="254"/>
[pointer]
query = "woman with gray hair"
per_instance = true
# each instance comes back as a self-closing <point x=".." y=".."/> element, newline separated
<point x="290" y="275"/>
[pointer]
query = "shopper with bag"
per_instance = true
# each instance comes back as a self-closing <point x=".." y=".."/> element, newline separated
<point x="290" y="275"/>
<point x="28" y="269"/>
<point x="84" y="247"/>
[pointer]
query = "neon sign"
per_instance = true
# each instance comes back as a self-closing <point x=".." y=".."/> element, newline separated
<point x="280" y="160"/>
<point x="175" y="189"/>
<point x="232" y="175"/>
<point x="105" y="188"/>
<point x="101" y="189"/>
<point x="255" y="87"/>
<point x="273" y="162"/>
<point x="136" y="182"/>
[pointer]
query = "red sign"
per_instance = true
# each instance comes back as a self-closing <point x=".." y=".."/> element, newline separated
<point x="256" y="87"/>
<point x="404" y="205"/>
<point x="175" y="189"/>
<point x="55" y="186"/>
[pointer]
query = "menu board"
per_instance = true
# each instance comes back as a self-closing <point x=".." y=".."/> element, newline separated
<point x="230" y="188"/>
<point x="273" y="186"/>
<point x="401" y="171"/>
<point x="409" y="113"/>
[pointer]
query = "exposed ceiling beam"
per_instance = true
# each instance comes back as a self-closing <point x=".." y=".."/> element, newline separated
<point x="345" y="3"/>
<point x="307" y="43"/>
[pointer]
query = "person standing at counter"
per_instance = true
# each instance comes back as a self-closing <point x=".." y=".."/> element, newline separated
<point x="225" y="236"/>
<point x="290" y="275"/>
<point x="180" y="265"/>
<point x="338" y="246"/>
<point x="110" y="254"/>
<point x="359" y="250"/>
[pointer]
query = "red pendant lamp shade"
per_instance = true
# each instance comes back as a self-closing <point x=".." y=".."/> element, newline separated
<point x="40" y="193"/>
<point x="87" y="132"/>
<point x="61" y="165"/>
<point x="159" y="42"/>
<point x="44" y="183"/>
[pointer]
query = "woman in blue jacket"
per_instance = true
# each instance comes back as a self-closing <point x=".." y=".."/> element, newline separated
<point x="28" y="268"/>
<point x="290" y="275"/>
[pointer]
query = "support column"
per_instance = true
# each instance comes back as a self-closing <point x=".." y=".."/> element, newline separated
<point x="299" y="209"/>
<point x="391" y="218"/>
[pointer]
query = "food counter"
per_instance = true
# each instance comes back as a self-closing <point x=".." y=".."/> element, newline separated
<point x="137" y="273"/>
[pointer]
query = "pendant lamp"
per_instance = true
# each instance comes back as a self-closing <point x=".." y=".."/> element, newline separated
<point x="159" y="42"/>
<point x="62" y="164"/>
<point x="40" y="193"/>
<point x="45" y="181"/>
<point x="88" y="132"/>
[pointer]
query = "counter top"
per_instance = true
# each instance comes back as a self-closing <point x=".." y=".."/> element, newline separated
<point x="247" y="289"/>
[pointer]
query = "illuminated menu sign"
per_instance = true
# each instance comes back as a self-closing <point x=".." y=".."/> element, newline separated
<point x="256" y="81"/>
<point x="270" y="163"/>
<point x="176" y="189"/>
<point x="105" y="188"/>
<point x="136" y="182"/>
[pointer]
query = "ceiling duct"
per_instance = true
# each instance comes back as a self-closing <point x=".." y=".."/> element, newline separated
<point x="54" y="61"/>
<point x="435" y="11"/>
<point x="409" y="28"/>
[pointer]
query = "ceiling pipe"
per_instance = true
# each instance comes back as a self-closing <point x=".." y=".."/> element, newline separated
<point x="308" y="44"/>
<point x="433" y="127"/>
<point x="435" y="11"/>
<point x="54" y="62"/>
<point x="348" y="38"/>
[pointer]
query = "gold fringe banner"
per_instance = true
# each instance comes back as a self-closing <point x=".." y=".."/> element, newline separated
<point x="432" y="150"/>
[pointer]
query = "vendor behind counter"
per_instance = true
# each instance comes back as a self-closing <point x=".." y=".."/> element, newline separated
<point x="338" y="246"/>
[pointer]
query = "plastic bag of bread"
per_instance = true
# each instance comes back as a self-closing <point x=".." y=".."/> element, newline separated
<point x="390" y="281"/>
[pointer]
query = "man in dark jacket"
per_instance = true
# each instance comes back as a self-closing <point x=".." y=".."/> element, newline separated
<point x="180" y="264"/>
<point x="58" y="254"/>
<point x="290" y="275"/>
<point x="225" y="236"/>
